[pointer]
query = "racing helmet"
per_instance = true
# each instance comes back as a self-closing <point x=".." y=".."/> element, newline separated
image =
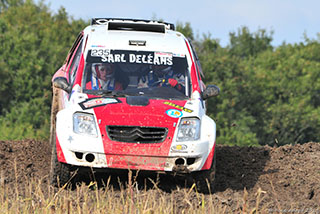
<point x="102" y="71"/>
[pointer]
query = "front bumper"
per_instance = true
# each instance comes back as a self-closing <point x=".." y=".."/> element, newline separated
<point x="192" y="159"/>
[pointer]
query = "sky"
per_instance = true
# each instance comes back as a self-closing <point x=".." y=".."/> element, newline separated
<point x="289" y="20"/>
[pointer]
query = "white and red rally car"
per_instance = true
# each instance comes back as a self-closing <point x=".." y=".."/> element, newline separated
<point x="132" y="98"/>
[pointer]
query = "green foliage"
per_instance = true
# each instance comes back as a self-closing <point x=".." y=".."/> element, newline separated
<point x="33" y="45"/>
<point x="267" y="96"/>
<point x="229" y="109"/>
<point x="245" y="44"/>
<point x="288" y="82"/>
<point x="5" y="4"/>
<point x="25" y="120"/>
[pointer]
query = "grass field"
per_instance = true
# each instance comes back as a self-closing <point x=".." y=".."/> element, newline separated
<point x="37" y="196"/>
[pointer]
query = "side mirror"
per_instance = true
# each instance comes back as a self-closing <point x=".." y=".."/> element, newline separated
<point x="62" y="82"/>
<point x="210" y="91"/>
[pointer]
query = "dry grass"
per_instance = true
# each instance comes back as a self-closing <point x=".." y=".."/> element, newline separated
<point x="37" y="196"/>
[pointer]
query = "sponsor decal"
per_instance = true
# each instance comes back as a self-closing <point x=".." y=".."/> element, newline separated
<point x="96" y="102"/>
<point x="179" y="55"/>
<point x="97" y="46"/>
<point x="179" y="148"/>
<point x="141" y="57"/>
<point x="174" y="113"/>
<point x="179" y="107"/>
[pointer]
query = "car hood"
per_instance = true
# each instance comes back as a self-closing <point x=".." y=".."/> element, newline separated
<point x="136" y="111"/>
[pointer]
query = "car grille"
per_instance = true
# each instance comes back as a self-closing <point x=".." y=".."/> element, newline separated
<point x="136" y="134"/>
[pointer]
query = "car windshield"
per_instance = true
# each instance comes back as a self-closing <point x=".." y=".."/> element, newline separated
<point x="121" y="73"/>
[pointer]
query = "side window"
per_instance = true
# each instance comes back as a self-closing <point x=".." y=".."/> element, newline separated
<point x="75" y="63"/>
<point x="199" y="69"/>
<point x="73" y="48"/>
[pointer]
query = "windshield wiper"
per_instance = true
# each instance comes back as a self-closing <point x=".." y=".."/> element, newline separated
<point x="115" y="93"/>
<point x="110" y="93"/>
<point x="102" y="92"/>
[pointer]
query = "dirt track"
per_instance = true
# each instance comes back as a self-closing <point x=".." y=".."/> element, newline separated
<point x="289" y="176"/>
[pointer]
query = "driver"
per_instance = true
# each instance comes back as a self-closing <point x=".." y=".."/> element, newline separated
<point x="103" y="78"/>
<point x="162" y="75"/>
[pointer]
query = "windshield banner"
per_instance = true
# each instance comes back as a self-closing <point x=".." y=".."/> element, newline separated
<point x="135" y="57"/>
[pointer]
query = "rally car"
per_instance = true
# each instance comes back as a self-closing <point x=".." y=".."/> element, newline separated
<point x="130" y="96"/>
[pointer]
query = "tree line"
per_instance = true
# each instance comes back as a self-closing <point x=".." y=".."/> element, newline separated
<point x="269" y="95"/>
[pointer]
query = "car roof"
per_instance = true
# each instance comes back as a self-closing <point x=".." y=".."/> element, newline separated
<point x="142" y="35"/>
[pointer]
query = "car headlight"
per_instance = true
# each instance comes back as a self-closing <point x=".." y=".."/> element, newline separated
<point x="189" y="129"/>
<point x="84" y="124"/>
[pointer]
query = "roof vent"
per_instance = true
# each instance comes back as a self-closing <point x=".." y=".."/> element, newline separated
<point x="133" y="24"/>
<point x="156" y="28"/>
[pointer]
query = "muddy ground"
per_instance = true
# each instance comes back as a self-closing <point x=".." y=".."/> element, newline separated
<point x="287" y="177"/>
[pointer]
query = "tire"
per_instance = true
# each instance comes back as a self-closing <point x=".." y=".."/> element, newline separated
<point x="54" y="110"/>
<point x="205" y="179"/>
<point x="60" y="173"/>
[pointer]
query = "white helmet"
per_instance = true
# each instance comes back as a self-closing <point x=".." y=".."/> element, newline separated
<point x="102" y="71"/>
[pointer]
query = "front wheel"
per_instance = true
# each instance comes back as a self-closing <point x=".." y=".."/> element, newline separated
<point x="60" y="173"/>
<point x="204" y="180"/>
